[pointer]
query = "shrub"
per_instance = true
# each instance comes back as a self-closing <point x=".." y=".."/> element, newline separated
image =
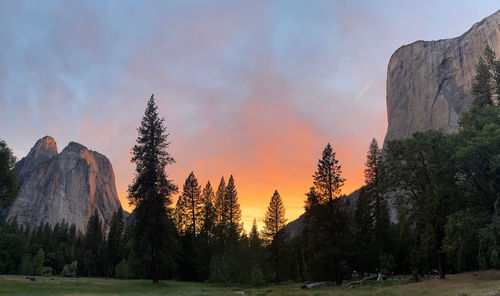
<point x="220" y="270"/>
<point x="257" y="277"/>
<point x="46" y="271"/>
<point x="387" y="264"/>
<point x="69" y="270"/>
<point x="122" y="270"/>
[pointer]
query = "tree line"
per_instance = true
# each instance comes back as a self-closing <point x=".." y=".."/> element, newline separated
<point x="429" y="205"/>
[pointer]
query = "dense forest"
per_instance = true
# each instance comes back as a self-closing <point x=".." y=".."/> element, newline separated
<point x="429" y="204"/>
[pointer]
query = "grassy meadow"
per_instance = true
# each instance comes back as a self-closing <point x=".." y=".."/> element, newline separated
<point x="477" y="283"/>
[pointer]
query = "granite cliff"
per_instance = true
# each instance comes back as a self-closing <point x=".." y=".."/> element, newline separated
<point x="429" y="82"/>
<point x="66" y="186"/>
<point x="429" y="85"/>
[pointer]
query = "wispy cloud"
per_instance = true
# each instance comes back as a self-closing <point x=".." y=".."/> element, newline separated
<point x="362" y="92"/>
<point x="254" y="89"/>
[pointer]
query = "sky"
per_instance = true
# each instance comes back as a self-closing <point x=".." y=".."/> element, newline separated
<point x="255" y="89"/>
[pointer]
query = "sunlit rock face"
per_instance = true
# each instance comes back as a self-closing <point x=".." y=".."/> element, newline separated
<point x="429" y="82"/>
<point x="65" y="186"/>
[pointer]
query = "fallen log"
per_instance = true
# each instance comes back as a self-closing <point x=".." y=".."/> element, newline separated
<point x="315" y="285"/>
<point x="360" y="282"/>
<point x="377" y="277"/>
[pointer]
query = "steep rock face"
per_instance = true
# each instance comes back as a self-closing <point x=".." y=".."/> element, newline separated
<point x="44" y="150"/>
<point x="429" y="82"/>
<point x="67" y="186"/>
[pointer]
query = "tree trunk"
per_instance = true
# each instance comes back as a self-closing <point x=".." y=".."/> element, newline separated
<point x="154" y="268"/>
<point x="306" y="275"/>
<point x="441" y="267"/>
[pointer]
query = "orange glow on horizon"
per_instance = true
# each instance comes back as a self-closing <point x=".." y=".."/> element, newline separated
<point x="255" y="199"/>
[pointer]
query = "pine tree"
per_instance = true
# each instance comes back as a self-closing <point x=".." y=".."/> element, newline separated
<point x="151" y="191"/>
<point x="274" y="233"/>
<point x="180" y="215"/>
<point x="8" y="175"/>
<point x="372" y="181"/>
<point x="38" y="262"/>
<point x="373" y="159"/>
<point x="313" y="200"/>
<point x="219" y="199"/>
<point x="231" y="213"/>
<point x="209" y="214"/>
<point x="364" y="255"/>
<point x="326" y="223"/>
<point x="487" y="79"/>
<point x="327" y="179"/>
<point x="190" y="206"/>
<point x="94" y="239"/>
<point x="115" y="243"/>
<point x="481" y="88"/>
<point x="275" y="217"/>
<point x="254" y="237"/>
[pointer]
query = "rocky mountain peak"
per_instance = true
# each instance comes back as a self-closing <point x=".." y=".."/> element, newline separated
<point x="44" y="150"/>
<point x="68" y="186"/>
<point x="75" y="147"/>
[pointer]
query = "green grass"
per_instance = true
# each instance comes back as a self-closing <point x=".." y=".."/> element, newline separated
<point x="479" y="283"/>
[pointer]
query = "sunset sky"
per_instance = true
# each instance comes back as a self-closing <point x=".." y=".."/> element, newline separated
<point x="250" y="88"/>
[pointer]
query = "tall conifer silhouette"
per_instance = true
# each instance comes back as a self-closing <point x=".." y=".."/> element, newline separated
<point x="151" y="191"/>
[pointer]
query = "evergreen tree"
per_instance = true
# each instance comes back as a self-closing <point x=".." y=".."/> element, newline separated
<point x="231" y="213"/>
<point x="38" y="262"/>
<point x="254" y="239"/>
<point x="275" y="233"/>
<point x="94" y="239"/>
<point x="481" y="88"/>
<point x="209" y="213"/>
<point x="275" y="217"/>
<point x="364" y="256"/>
<point x="151" y="192"/>
<point x="378" y="205"/>
<point x="115" y="243"/>
<point x="326" y="225"/>
<point x="180" y="215"/>
<point x="327" y="179"/>
<point x="313" y="200"/>
<point x="190" y="206"/>
<point x="219" y="199"/>
<point x="8" y="175"/>
<point x="486" y="82"/>
<point x="372" y="171"/>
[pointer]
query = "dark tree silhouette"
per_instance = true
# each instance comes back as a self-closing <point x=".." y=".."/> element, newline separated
<point x="327" y="179"/>
<point x="8" y="175"/>
<point x="487" y="79"/>
<point x="115" y="240"/>
<point x="378" y="204"/>
<point x="274" y="233"/>
<point x="275" y="217"/>
<point x="94" y="240"/>
<point x="254" y="239"/>
<point x="151" y="191"/>
<point x="219" y="199"/>
<point x="231" y="212"/>
<point x="208" y="212"/>
<point x="189" y="206"/>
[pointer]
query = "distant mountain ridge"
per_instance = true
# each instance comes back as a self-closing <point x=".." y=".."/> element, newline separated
<point x="294" y="228"/>
<point x="66" y="186"/>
